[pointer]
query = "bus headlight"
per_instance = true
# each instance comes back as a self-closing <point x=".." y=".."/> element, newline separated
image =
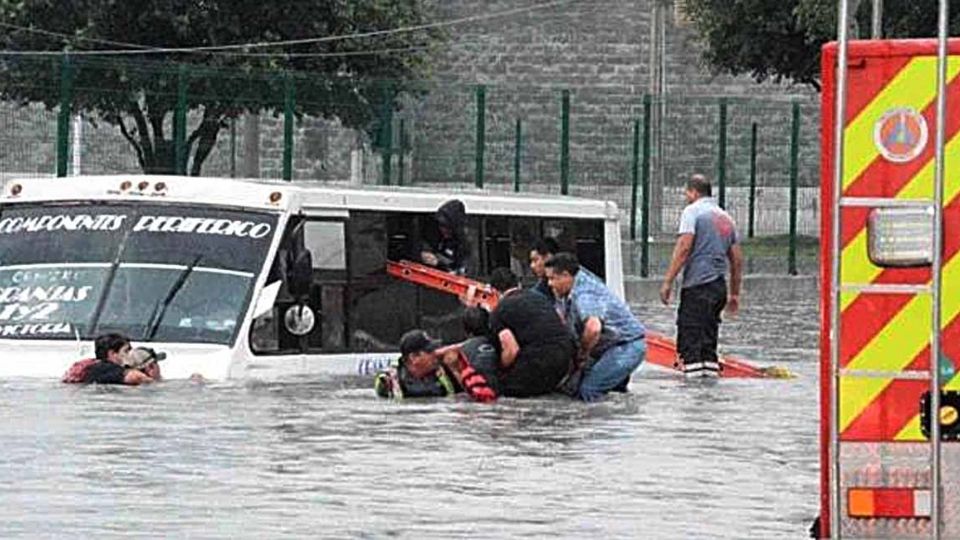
<point x="900" y="236"/>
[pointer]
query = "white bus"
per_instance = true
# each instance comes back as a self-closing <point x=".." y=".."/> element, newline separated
<point x="251" y="279"/>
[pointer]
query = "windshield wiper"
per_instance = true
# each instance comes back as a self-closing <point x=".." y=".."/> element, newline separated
<point x="107" y="285"/>
<point x="160" y="309"/>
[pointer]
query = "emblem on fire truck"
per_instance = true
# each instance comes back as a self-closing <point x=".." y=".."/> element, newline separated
<point x="900" y="134"/>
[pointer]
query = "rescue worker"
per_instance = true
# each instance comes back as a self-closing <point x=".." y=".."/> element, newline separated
<point x="536" y="348"/>
<point x="425" y="369"/>
<point x="707" y="244"/>
<point x="446" y="247"/>
<point x="542" y="250"/>
<point x="108" y="367"/>
<point x="611" y="339"/>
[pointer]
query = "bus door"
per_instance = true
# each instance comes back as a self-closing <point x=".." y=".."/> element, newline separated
<point x="310" y="311"/>
<point x="890" y="277"/>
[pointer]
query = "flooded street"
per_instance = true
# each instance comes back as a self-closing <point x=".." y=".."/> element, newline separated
<point x="671" y="459"/>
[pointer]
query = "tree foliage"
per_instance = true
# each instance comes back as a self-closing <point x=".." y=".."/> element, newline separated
<point x="138" y="93"/>
<point x="781" y="39"/>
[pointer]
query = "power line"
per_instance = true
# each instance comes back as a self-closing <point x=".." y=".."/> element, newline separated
<point x="68" y="36"/>
<point x="144" y="49"/>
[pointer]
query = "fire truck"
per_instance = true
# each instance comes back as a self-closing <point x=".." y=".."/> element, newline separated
<point x="890" y="281"/>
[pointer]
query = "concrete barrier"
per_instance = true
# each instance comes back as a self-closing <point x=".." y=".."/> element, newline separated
<point x="756" y="287"/>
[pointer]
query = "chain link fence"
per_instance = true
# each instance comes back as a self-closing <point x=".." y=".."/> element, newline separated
<point x="74" y="116"/>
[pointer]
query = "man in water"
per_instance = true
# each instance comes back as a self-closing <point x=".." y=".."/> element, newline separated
<point x="536" y="348"/>
<point x="542" y="250"/>
<point x="111" y="364"/>
<point x="426" y="369"/>
<point x="611" y="339"/>
<point x="706" y="246"/>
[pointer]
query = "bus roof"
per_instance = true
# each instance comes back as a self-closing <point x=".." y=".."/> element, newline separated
<point x="307" y="195"/>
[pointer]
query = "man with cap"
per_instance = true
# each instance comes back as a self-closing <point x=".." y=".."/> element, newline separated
<point x="111" y="365"/>
<point x="146" y="360"/>
<point x="426" y="369"/>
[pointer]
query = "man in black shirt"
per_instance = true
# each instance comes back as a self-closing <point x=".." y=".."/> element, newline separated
<point x="537" y="349"/>
<point x="111" y="351"/>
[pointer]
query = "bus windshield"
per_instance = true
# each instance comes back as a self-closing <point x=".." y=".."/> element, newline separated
<point x="153" y="272"/>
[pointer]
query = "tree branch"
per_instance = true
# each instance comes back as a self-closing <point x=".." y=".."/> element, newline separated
<point x="132" y="141"/>
<point x="146" y="143"/>
<point x="207" y="133"/>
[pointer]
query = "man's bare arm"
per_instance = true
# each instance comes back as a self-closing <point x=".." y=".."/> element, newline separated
<point x="681" y="251"/>
<point x="509" y="348"/>
<point x="735" y="255"/>
<point x="590" y="337"/>
<point x="134" y="377"/>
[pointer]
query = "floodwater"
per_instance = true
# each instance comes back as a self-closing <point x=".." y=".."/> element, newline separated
<point x="327" y="459"/>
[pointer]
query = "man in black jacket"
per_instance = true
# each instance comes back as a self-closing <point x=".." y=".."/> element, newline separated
<point x="446" y="247"/>
<point x="536" y="347"/>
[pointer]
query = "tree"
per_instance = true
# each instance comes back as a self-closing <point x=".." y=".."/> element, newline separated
<point x="138" y="93"/>
<point x="781" y="39"/>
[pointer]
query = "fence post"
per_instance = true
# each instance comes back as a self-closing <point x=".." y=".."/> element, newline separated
<point x="794" y="170"/>
<point x="635" y="179"/>
<point x="516" y="156"/>
<point x="565" y="143"/>
<point x="722" y="155"/>
<point x="481" y="134"/>
<point x="403" y="147"/>
<point x="386" y="138"/>
<point x="63" y="118"/>
<point x="180" y="124"/>
<point x="753" y="179"/>
<point x="288" y="106"/>
<point x="645" y="183"/>
<point x="233" y="147"/>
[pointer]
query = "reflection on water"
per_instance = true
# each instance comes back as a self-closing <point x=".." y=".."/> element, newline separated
<point x="672" y="459"/>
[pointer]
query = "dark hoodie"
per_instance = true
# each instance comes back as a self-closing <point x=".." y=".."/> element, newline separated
<point x="451" y="250"/>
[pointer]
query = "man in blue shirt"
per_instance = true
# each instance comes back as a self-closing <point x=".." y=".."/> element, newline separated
<point x="611" y="339"/>
<point x="707" y="245"/>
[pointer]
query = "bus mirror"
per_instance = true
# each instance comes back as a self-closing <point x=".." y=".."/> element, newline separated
<point x="299" y="320"/>
<point x="268" y="296"/>
<point x="300" y="275"/>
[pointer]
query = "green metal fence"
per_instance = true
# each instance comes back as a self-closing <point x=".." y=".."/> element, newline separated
<point x="612" y="143"/>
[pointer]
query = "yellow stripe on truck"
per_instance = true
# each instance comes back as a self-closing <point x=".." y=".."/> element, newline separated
<point x="856" y="268"/>
<point x="914" y="87"/>
<point x="895" y="347"/>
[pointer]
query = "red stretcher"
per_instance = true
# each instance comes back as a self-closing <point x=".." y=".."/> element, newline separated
<point x="661" y="350"/>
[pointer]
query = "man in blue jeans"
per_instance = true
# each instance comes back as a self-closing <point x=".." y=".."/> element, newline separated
<point x="611" y="341"/>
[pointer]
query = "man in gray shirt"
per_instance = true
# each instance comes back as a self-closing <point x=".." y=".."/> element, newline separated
<point x="707" y="242"/>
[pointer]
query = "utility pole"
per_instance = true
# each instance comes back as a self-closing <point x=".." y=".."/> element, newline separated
<point x="658" y="64"/>
<point x="876" y="26"/>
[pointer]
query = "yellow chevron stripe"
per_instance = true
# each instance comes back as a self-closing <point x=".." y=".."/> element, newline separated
<point x="894" y="347"/>
<point x="915" y="87"/>
<point x="856" y="267"/>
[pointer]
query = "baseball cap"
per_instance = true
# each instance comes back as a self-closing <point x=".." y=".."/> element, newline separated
<point x="417" y="341"/>
<point x="142" y="356"/>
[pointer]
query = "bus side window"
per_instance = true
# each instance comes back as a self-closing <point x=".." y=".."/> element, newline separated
<point x="326" y="240"/>
<point x="495" y="236"/>
<point x="524" y="234"/>
<point x="582" y="237"/>
<point x="382" y="307"/>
